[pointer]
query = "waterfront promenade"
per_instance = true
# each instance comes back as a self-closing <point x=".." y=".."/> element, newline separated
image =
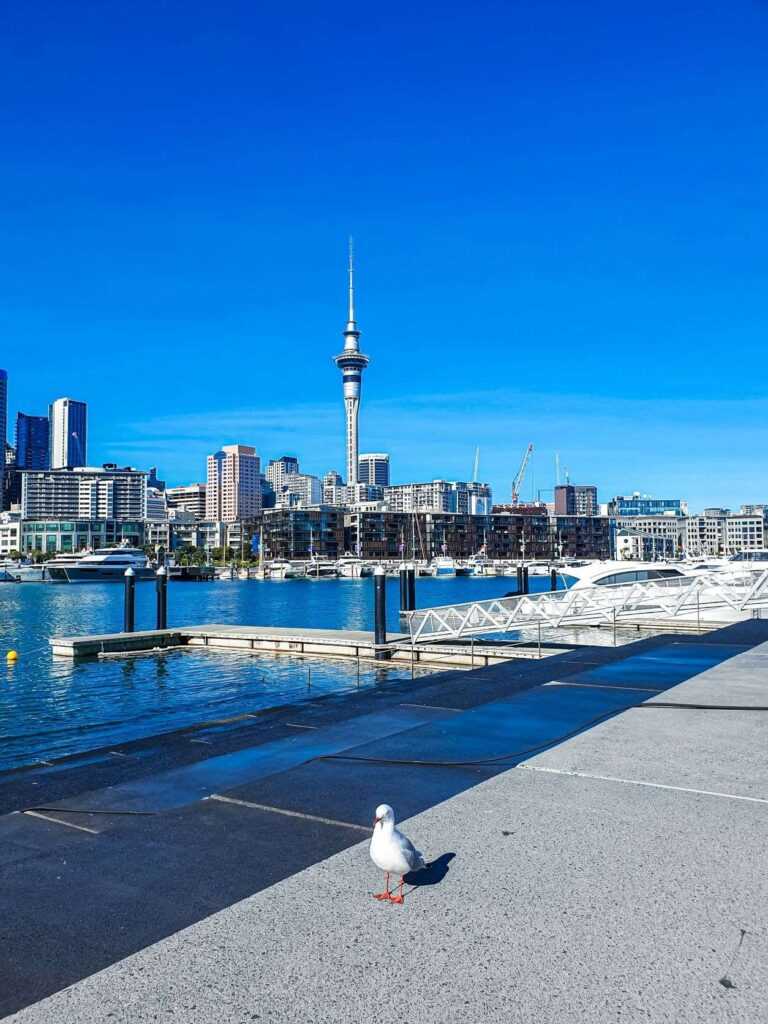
<point x="616" y="875"/>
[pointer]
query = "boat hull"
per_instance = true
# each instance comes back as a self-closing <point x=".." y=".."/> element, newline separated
<point x="106" y="574"/>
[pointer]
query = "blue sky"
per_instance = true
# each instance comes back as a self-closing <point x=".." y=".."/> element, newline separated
<point x="560" y="213"/>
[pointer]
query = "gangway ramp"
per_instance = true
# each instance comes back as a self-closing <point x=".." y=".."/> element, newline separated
<point x="691" y="598"/>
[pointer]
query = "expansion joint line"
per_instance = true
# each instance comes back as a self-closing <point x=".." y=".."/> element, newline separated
<point x="288" y="814"/>
<point x="640" y="782"/>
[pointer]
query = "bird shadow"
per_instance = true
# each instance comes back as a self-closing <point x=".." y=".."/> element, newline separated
<point x="432" y="874"/>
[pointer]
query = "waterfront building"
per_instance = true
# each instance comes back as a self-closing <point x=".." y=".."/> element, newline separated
<point x="10" y="533"/>
<point x="703" y="536"/>
<point x="580" y="536"/>
<point x="3" y="424"/>
<point x="720" y="532"/>
<point x="380" y="534"/>
<point x="352" y="363"/>
<point x="68" y="433"/>
<point x="576" y="500"/>
<point x="440" y="496"/>
<point x="669" y="530"/>
<point x="634" y="545"/>
<point x="107" y="493"/>
<point x="754" y="510"/>
<point x="32" y="440"/>
<point x="54" y="536"/>
<point x="744" y="533"/>
<point x="304" y="532"/>
<point x="637" y="504"/>
<point x="233" y="492"/>
<point x="190" y="498"/>
<point x="373" y="469"/>
<point x="188" y="532"/>
<point x="157" y="534"/>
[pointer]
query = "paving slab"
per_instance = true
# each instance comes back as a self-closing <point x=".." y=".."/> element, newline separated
<point x="713" y="750"/>
<point x="564" y="899"/>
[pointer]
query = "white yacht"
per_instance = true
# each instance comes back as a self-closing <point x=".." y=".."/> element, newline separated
<point x="749" y="557"/>
<point x="103" y="564"/>
<point x="602" y="574"/>
<point x="12" y="571"/>
<point x="282" y="569"/>
<point x="321" y="569"/>
<point x="443" y="566"/>
<point x="350" y="567"/>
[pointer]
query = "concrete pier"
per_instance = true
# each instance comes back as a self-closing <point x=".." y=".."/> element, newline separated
<point x="319" y="643"/>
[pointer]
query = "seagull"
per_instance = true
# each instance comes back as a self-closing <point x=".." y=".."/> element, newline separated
<point x="393" y="852"/>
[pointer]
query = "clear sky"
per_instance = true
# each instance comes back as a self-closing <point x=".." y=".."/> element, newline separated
<point x="560" y="212"/>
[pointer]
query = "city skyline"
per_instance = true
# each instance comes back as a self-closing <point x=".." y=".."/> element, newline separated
<point x="318" y="427"/>
<point x="542" y="259"/>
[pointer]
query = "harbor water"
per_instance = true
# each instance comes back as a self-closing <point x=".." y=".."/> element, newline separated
<point x="53" y="707"/>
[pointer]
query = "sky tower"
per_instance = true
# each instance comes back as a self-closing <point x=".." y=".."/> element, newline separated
<point x="351" y="362"/>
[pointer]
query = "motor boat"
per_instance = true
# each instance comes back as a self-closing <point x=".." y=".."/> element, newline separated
<point x="101" y="565"/>
<point x="22" y="572"/>
<point x="611" y="573"/>
<point x="349" y="567"/>
<point x="321" y="569"/>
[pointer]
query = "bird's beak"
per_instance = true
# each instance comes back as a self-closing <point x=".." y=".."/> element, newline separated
<point x="376" y="822"/>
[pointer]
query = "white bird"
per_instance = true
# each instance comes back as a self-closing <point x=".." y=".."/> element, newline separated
<point x="392" y="852"/>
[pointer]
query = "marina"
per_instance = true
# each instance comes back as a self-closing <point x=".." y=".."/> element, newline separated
<point x="57" y="706"/>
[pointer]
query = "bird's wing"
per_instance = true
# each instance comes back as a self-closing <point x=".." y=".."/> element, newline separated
<point x="414" y="858"/>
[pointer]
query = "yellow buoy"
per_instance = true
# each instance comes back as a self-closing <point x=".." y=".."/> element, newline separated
<point x="12" y="656"/>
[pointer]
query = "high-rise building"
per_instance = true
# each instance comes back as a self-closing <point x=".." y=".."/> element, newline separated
<point x="188" y="499"/>
<point x="278" y="469"/>
<point x="298" y="490"/>
<point x="334" y="491"/>
<point x="68" y="433"/>
<point x="351" y="362"/>
<point x="233" y="493"/>
<point x="32" y="441"/>
<point x="157" y="504"/>
<point x="576" y="500"/>
<point x="108" y="493"/>
<point x="373" y="468"/>
<point x="3" y="424"/>
<point x="470" y="498"/>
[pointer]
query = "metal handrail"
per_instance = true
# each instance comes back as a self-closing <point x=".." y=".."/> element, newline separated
<point x="672" y="597"/>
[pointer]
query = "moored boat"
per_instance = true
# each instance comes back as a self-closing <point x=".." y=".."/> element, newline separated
<point x="101" y="565"/>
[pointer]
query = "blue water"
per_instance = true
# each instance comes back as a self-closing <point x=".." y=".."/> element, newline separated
<point x="51" y="707"/>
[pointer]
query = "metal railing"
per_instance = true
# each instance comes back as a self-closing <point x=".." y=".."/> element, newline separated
<point x="674" y="597"/>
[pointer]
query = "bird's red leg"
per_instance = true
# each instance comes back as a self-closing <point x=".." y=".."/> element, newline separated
<point x="386" y="894"/>
<point x="398" y="897"/>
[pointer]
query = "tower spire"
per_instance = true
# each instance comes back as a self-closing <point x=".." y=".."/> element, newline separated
<point x="352" y="363"/>
<point x="351" y="274"/>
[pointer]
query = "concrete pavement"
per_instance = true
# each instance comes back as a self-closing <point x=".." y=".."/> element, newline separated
<point x="613" y="894"/>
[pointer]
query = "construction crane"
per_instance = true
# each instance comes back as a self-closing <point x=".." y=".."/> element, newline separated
<point x="517" y="483"/>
